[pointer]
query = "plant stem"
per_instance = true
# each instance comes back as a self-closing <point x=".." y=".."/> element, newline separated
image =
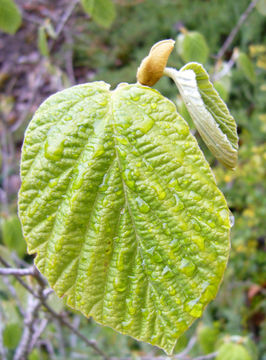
<point x="235" y="30"/>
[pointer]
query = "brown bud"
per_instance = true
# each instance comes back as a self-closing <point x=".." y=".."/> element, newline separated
<point x="152" y="67"/>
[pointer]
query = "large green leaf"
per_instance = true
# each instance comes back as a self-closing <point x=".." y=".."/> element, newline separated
<point x="102" y="11"/>
<point x="10" y="17"/>
<point x="210" y="114"/>
<point x="123" y="211"/>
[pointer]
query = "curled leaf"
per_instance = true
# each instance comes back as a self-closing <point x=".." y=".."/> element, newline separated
<point x="210" y="114"/>
<point x="152" y="67"/>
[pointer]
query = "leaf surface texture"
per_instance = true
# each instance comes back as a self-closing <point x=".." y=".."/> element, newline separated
<point x="123" y="211"/>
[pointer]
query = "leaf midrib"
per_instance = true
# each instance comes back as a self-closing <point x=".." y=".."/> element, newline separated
<point x="149" y="281"/>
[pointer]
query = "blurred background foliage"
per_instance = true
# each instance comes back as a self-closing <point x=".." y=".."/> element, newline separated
<point x="46" y="46"/>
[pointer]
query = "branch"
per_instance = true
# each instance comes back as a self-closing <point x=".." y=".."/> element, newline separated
<point x="22" y="282"/>
<point x="37" y="333"/>
<point x="61" y="342"/>
<point x="65" y="17"/>
<point x="39" y="77"/>
<point x="41" y="296"/>
<point x="227" y="66"/>
<point x="17" y="272"/>
<point x="90" y="343"/>
<point x="206" y="357"/>
<point x="23" y="348"/>
<point x="14" y="295"/>
<point x="190" y="345"/>
<point x="235" y="30"/>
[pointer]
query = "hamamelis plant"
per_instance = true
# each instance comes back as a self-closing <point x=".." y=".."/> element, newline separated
<point x="120" y="205"/>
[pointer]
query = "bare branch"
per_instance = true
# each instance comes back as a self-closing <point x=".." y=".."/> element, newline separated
<point x="73" y="337"/>
<point x="22" y="282"/>
<point x="190" y="345"/>
<point x="42" y="297"/>
<point x="17" y="272"/>
<point x="65" y="17"/>
<point x="23" y="348"/>
<point x="227" y="66"/>
<point x="61" y="343"/>
<point x="34" y="92"/>
<point x="235" y="30"/>
<point x="49" y="348"/>
<point x="206" y="357"/>
<point x="37" y="333"/>
<point x="63" y="321"/>
<point x="14" y="295"/>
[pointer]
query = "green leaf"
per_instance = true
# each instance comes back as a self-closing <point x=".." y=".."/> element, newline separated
<point x="221" y="90"/>
<point x="12" y="235"/>
<point x="207" y="337"/>
<point x="192" y="46"/>
<point x="261" y="7"/>
<point x="123" y="211"/>
<point x="11" y="335"/>
<point x="35" y="355"/>
<point x="210" y="114"/>
<point x="42" y="41"/>
<point x="102" y="11"/>
<point x="10" y="17"/>
<point x="245" y="64"/>
<point x="223" y="87"/>
<point x="231" y="351"/>
<point x="182" y="110"/>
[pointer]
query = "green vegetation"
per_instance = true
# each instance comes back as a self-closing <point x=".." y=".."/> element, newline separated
<point x="233" y="325"/>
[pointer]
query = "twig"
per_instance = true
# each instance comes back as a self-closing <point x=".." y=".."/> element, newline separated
<point x="206" y="357"/>
<point x="42" y="297"/>
<point x="90" y="343"/>
<point x="65" y="17"/>
<point x="49" y="348"/>
<point x="190" y="345"/>
<point x="14" y="295"/>
<point x="61" y="343"/>
<point x="227" y="66"/>
<point x="73" y="337"/>
<point x="34" y="92"/>
<point x="39" y="77"/>
<point x="22" y="282"/>
<point x="23" y="348"/>
<point x="184" y="357"/>
<point x="69" y="57"/>
<point x="235" y="30"/>
<point x="37" y="333"/>
<point x="17" y="272"/>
